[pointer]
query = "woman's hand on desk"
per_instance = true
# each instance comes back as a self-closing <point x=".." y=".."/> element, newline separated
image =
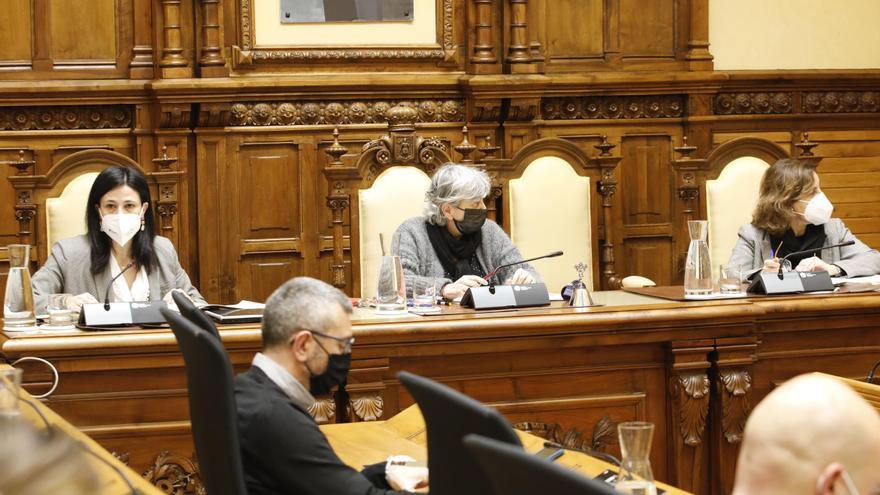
<point x="74" y="303"/>
<point x="815" y="264"/>
<point x="520" y="277"/>
<point x="457" y="289"/>
<point x="771" y="265"/>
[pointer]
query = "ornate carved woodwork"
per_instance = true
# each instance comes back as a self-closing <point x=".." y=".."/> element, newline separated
<point x="688" y="191"/>
<point x="212" y="47"/>
<point x="612" y="107"/>
<point x="337" y="112"/>
<point x="689" y="390"/>
<point x="141" y="65"/>
<point x="465" y="148"/>
<point x="65" y="117"/>
<point x="607" y="185"/>
<point x="753" y="103"/>
<point x="367" y="407"/>
<point x="732" y="374"/>
<point x="173" y="62"/>
<point x="693" y="390"/>
<point x="840" y="101"/>
<point x="176" y="475"/>
<point x="323" y="410"/>
<point x="604" y="433"/>
<point x="484" y="45"/>
<point x="698" y="55"/>
<point x="518" y="48"/>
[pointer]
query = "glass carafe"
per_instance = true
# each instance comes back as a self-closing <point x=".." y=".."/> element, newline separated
<point x="636" y="477"/>
<point x="18" y="304"/>
<point x="698" y="267"/>
<point x="391" y="290"/>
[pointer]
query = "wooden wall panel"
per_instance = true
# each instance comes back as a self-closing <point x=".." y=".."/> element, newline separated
<point x="16" y="33"/>
<point x="83" y="35"/>
<point x="569" y="36"/>
<point x="647" y="29"/>
<point x="645" y="165"/>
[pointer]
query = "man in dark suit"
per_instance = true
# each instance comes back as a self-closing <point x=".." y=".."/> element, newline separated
<point x="307" y="341"/>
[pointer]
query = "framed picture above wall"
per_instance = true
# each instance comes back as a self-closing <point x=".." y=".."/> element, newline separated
<point x="300" y="11"/>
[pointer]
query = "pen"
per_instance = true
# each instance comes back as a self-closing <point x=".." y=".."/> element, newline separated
<point x="773" y="253"/>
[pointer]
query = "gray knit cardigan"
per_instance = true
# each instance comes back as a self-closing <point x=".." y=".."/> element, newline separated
<point x="419" y="260"/>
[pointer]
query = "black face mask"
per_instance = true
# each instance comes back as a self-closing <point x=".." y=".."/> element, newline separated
<point x="473" y="220"/>
<point x="335" y="374"/>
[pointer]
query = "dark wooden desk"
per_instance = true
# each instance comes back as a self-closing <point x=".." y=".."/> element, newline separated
<point x="693" y="368"/>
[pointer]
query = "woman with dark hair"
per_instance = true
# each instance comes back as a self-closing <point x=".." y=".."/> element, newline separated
<point x="121" y="240"/>
<point x="793" y="215"/>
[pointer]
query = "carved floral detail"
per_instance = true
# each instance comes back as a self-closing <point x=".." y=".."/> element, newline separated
<point x="752" y="103"/>
<point x="323" y="410"/>
<point x="176" y="474"/>
<point x="123" y="457"/>
<point x="693" y="392"/>
<point x="368" y="407"/>
<point x="612" y="107"/>
<point x="841" y="102"/>
<point x="55" y="118"/>
<point x="341" y="112"/>
<point x="603" y="434"/>
<point x="735" y="403"/>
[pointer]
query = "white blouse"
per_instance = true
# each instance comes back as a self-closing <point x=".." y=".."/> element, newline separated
<point x="139" y="290"/>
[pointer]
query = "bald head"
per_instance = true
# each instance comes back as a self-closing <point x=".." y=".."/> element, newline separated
<point x="801" y="437"/>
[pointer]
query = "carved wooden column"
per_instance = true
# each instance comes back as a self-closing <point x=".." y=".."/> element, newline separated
<point x="173" y="62"/>
<point x="211" y="58"/>
<point x="731" y="401"/>
<point x="166" y="201"/>
<point x="488" y="151"/>
<point x="607" y="187"/>
<point x="484" y="35"/>
<point x="689" y="394"/>
<point x="141" y="65"/>
<point x="518" y="42"/>
<point x="688" y="191"/>
<point x="24" y="183"/>
<point x="338" y="200"/>
<point x="698" y="55"/>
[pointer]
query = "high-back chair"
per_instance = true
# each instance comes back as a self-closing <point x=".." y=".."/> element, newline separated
<point x="194" y="314"/>
<point x="398" y="193"/>
<point x="66" y="213"/>
<point x="550" y="210"/>
<point x="512" y="471"/>
<point x="449" y="416"/>
<point x="730" y="200"/>
<point x="211" y="406"/>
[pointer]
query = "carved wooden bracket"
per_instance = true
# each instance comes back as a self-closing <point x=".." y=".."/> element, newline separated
<point x="176" y="474"/>
<point x="735" y="387"/>
<point x="24" y="208"/>
<point x="167" y="180"/>
<point x="687" y="169"/>
<point x="368" y="407"/>
<point x="323" y="410"/>
<point x="607" y="186"/>
<point x="690" y="392"/>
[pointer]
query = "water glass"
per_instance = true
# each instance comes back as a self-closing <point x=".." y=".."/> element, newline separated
<point x="424" y="293"/>
<point x="391" y="290"/>
<point x="10" y="384"/>
<point x="636" y="476"/>
<point x="730" y="281"/>
<point x="60" y="314"/>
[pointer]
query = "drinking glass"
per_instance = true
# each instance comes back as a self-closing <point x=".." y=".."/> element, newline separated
<point x="60" y="314"/>
<point x="698" y="268"/>
<point x="636" y="477"/>
<point x="424" y="293"/>
<point x="730" y="281"/>
<point x="10" y="384"/>
<point x="391" y="293"/>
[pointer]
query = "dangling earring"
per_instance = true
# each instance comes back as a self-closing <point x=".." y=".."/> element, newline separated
<point x="142" y="224"/>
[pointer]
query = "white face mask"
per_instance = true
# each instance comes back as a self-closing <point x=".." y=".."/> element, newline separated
<point x="121" y="227"/>
<point x="818" y="210"/>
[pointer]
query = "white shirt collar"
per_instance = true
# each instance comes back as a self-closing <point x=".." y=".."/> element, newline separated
<point x="285" y="381"/>
<point x="139" y="290"/>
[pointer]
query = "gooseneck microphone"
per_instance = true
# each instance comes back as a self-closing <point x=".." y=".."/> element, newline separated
<point x="110" y="285"/>
<point x="495" y="271"/>
<point x="808" y="251"/>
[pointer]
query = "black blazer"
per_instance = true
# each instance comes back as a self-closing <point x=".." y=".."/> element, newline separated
<point x="282" y="448"/>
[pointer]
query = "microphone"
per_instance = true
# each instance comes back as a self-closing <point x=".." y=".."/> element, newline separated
<point x="495" y="271"/>
<point x="107" y="292"/>
<point x="807" y="251"/>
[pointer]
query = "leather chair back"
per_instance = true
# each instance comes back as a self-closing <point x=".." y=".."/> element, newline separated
<point x="730" y="200"/>
<point x="449" y="416"/>
<point x="397" y="194"/>
<point x="514" y="472"/>
<point x="66" y="214"/>
<point x="211" y="406"/>
<point x="194" y="314"/>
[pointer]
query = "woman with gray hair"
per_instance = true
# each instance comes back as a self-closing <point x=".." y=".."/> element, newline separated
<point x="453" y="243"/>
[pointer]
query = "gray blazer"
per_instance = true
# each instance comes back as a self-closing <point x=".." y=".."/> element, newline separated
<point x="419" y="260"/>
<point x="68" y="270"/>
<point x="753" y="247"/>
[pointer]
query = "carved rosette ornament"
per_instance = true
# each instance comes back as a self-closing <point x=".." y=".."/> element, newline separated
<point x="175" y="474"/>
<point x="752" y="103"/>
<point x="612" y="107"/>
<point x="65" y="117"/>
<point x="841" y="102"/>
<point x="692" y="389"/>
<point x="339" y="112"/>
<point x="735" y="407"/>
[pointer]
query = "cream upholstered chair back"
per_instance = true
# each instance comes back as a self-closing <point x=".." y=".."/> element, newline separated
<point x="730" y="200"/>
<point x="549" y="211"/>
<point x="66" y="214"/>
<point x="397" y="194"/>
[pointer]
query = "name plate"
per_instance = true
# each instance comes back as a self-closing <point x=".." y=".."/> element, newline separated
<point x="791" y="283"/>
